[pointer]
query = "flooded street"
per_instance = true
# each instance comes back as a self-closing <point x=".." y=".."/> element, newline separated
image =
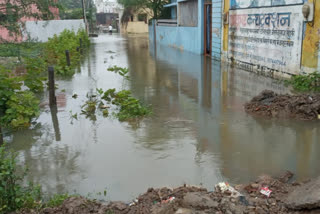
<point x="198" y="133"/>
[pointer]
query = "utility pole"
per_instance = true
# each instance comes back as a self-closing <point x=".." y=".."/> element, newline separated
<point x="84" y="14"/>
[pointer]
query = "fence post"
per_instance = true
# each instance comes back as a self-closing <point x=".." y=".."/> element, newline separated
<point x="1" y="136"/>
<point x="68" y="57"/>
<point x="52" y="96"/>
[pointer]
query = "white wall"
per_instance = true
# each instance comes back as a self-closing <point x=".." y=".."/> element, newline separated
<point x="268" y="38"/>
<point x="42" y="30"/>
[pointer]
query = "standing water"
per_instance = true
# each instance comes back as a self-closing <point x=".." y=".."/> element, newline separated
<point x="198" y="133"/>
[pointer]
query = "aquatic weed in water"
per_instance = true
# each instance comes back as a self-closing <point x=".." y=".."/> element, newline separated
<point x="120" y="70"/>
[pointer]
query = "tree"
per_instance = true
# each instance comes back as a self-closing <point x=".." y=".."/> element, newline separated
<point x="71" y="4"/>
<point x="155" y="5"/>
<point x="72" y="9"/>
<point x="14" y="12"/>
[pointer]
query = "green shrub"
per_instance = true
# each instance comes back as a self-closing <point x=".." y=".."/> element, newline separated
<point x="56" y="47"/>
<point x="13" y="194"/>
<point x="305" y="83"/>
<point x="21" y="108"/>
<point x="35" y="76"/>
<point x="56" y="200"/>
<point x="25" y="49"/>
<point x="17" y="107"/>
<point x="129" y="107"/>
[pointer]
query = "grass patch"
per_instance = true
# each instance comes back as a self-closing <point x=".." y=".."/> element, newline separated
<point x="305" y="83"/>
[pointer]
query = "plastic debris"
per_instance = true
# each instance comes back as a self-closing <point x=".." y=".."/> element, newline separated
<point x="134" y="203"/>
<point x="225" y="186"/>
<point x="319" y="116"/>
<point x="266" y="191"/>
<point x="104" y="107"/>
<point x="169" y="200"/>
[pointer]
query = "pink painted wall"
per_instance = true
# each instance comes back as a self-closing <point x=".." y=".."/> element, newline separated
<point x="5" y="34"/>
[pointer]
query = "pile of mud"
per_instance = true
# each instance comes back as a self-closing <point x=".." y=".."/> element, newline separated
<point x="270" y="104"/>
<point x="242" y="199"/>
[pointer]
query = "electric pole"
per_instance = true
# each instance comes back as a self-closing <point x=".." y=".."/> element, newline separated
<point x="84" y="14"/>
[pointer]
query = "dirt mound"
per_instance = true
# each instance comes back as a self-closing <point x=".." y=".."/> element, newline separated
<point x="270" y="104"/>
<point x="73" y="205"/>
<point x="243" y="199"/>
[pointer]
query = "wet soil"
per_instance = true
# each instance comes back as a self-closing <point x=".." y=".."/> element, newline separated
<point x="270" y="104"/>
<point x="191" y="199"/>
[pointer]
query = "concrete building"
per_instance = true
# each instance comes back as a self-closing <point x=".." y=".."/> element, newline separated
<point x="276" y="38"/>
<point x="185" y="29"/>
<point x="138" y="22"/>
<point x="108" y="12"/>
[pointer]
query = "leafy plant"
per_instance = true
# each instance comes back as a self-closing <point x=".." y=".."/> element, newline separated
<point x="122" y="71"/>
<point x="17" y="107"/>
<point x="21" y="108"/>
<point x="128" y="106"/>
<point x="304" y="83"/>
<point x="57" y="199"/>
<point x="13" y="195"/>
<point x="57" y="45"/>
<point x="34" y="78"/>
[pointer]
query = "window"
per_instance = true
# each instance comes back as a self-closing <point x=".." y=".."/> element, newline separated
<point x="188" y="13"/>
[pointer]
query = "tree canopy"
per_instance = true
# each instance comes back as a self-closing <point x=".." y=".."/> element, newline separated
<point x="155" y="5"/>
<point x="72" y="9"/>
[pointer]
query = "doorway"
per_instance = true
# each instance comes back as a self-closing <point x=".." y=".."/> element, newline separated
<point x="208" y="29"/>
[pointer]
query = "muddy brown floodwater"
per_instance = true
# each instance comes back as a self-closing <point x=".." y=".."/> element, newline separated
<point x="198" y="134"/>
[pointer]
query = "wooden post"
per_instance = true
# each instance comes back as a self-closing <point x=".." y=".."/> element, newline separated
<point x="1" y="136"/>
<point x="68" y="57"/>
<point x="52" y="96"/>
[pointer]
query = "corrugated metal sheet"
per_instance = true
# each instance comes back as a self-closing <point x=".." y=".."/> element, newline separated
<point x="216" y="28"/>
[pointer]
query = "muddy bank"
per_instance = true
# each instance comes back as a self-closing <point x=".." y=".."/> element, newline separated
<point x="284" y="197"/>
<point x="270" y="104"/>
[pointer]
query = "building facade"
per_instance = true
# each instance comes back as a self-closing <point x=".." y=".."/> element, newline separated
<point x="109" y="12"/>
<point x="274" y="37"/>
<point x="7" y="36"/>
<point x="138" y="22"/>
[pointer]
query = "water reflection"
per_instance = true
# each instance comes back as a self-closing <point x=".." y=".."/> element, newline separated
<point x="55" y="121"/>
<point x="198" y="132"/>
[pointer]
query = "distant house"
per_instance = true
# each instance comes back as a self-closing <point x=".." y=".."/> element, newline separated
<point x="108" y="13"/>
<point x="138" y="22"/>
<point x="6" y="36"/>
